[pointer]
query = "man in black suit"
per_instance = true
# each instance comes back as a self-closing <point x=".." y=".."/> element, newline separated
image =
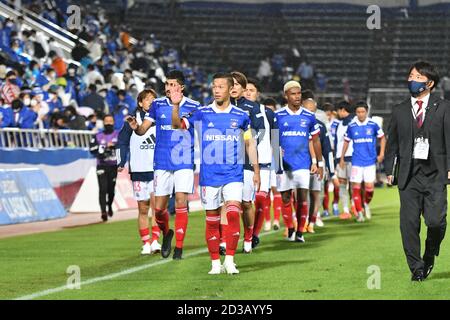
<point x="419" y="136"/>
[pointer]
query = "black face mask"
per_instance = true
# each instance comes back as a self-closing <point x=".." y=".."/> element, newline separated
<point x="108" y="128"/>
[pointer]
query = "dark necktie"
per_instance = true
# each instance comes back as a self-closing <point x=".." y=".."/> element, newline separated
<point x="419" y="114"/>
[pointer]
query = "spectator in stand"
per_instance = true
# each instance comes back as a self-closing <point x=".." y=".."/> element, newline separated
<point x="23" y="117"/>
<point x="58" y="64"/>
<point x="10" y="90"/>
<point x="46" y="80"/>
<point x="79" y="51"/>
<point x="92" y="76"/>
<point x="6" y="114"/>
<point x="94" y="100"/>
<point x="54" y="102"/>
<point x="54" y="46"/>
<point x="74" y="120"/>
<point x="306" y="73"/>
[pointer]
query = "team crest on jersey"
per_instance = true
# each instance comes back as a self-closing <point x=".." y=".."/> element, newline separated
<point x="369" y="131"/>
<point x="234" y="124"/>
<point x="303" y="123"/>
<point x="211" y="125"/>
<point x="286" y="124"/>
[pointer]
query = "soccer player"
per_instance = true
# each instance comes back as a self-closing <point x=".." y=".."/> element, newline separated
<point x="363" y="132"/>
<point x="257" y="124"/>
<point x="221" y="128"/>
<point x="263" y="136"/>
<point x="277" y="203"/>
<point x="333" y="123"/>
<point x="141" y="152"/>
<point x="174" y="162"/>
<point x="296" y="127"/>
<point x="345" y="111"/>
<point x="315" y="186"/>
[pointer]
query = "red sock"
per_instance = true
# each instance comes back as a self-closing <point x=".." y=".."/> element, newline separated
<point x="162" y="219"/>
<point x="326" y="198"/>
<point x="313" y="219"/>
<point x="145" y="235"/>
<point x="335" y="195"/>
<point x="260" y="202"/>
<point x="212" y="235"/>
<point x="357" y="198"/>
<point x="181" y="222"/>
<point x="223" y="232"/>
<point x="234" y="229"/>
<point x="302" y="215"/>
<point x="277" y="205"/>
<point x="369" y="195"/>
<point x="266" y="210"/>
<point x="286" y="211"/>
<point x="155" y="233"/>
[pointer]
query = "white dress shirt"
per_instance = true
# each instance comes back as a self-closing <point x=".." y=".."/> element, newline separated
<point x="415" y="106"/>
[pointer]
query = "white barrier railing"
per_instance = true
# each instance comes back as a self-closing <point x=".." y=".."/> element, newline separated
<point x="47" y="138"/>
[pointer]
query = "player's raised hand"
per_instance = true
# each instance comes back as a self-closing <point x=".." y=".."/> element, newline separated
<point x="132" y="122"/>
<point x="175" y="94"/>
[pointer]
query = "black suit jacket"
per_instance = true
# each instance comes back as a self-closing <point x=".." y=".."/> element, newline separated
<point x="401" y="140"/>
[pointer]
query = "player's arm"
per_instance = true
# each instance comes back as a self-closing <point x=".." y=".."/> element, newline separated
<point x="447" y="137"/>
<point x="318" y="152"/>
<point x="176" y="96"/>
<point x="123" y="146"/>
<point x="140" y="130"/>
<point x="252" y="152"/>
<point x="314" y="167"/>
<point x="382" y="149"/>
<point x="344" y="151"/>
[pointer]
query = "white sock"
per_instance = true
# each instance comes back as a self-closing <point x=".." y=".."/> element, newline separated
<point x="229" y="260"/>
<point x="215" y="263"/>
<point x="223" y="244"/>
<point x="343" y="194"/>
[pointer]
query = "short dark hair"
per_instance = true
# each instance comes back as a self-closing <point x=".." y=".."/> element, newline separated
<point x="307" y="94"/>
<point x="328" y="107"/>
<point x="428" y="70"/>
<point x="254" y="82"/>
<point x="121" y="93"/>
<point x="224" y="75"/>
<point x="93" y="87"/>
<point x="240" y="78"/>
<point x="344" y="105"/>
<point x="11" y="73"/>
<point x="107" y="115"/>
<point x="176" y="75"/>
<point x="270" y="102"/>
<point x="361" y="104"/>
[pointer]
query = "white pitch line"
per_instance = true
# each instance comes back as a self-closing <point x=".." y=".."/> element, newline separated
<point x="120" y="274"/>
<point x="134" y="270"/>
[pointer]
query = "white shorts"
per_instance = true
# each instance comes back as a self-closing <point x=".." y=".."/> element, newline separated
<point x="344" y="173"/>
<point x="273" y="179"/>
<point x="315" y="184"/>
<point x="214" y="197"/>
<point x="248" y="193"/>
<point x="366" y="174"/>
<point x="142" y="190"/>
<point x="165" y="181"/>
<point x="265" y="180"/>
<point x="290" y="180"/>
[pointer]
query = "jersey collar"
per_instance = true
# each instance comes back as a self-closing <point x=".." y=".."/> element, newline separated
<point x="362" y="123"/>
<point x="292" y="113"/>
<point x="181" y="103"/>
<point x="217" y="110"/>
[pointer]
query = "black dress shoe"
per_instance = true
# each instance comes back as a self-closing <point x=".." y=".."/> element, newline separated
<point x="418" y="276"/>
<point x="428" y="267"/>
<point x="104" y="216"/>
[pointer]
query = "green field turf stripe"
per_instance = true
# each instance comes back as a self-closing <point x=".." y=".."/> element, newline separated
<point x="120" y="274"/>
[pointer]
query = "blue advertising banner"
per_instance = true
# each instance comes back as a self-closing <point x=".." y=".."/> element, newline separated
<point x="26" y="196"/>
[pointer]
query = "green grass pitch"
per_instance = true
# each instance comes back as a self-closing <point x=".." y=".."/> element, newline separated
<point x="332" y="264"/>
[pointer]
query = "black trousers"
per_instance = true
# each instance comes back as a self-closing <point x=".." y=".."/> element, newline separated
<point x="106" y="176"/>
<point x="422" y="195"/>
